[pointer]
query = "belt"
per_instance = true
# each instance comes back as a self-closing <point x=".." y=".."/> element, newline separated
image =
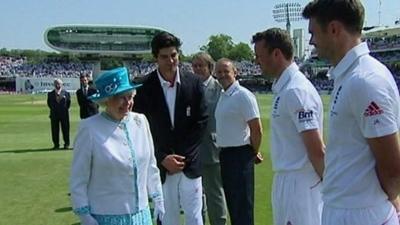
<point x="236" y="147"/>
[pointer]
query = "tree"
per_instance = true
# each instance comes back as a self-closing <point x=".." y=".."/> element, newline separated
<point x="218" y="46"/>
<point x="240" y="52"/>
<point x="222" y="46"/>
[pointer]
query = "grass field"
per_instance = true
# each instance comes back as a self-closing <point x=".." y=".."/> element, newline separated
<point x="34" y="179"/>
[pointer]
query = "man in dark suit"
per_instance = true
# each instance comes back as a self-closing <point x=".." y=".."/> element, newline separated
<point x="173" y="102"/>
<point x="59" y="101"/>
<point x="86" y="106"/>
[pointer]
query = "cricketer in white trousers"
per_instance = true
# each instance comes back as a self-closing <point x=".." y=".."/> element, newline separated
<point x="181" y="192"/>
<point x="289" y="185"/>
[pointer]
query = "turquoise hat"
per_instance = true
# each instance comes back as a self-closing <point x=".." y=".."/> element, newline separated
<point x="112" y="82"/>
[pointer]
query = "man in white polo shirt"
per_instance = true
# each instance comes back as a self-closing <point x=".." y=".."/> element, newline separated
<point x="362" y="165"/>
<point x="297" y="149"/>
<point x="239" y="134"/>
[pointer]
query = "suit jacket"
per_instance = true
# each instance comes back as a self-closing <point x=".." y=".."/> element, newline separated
<point x="190" y="119"/>
<point x="59" y="110"/>
<point x="86" y="106"/>
<point x="209" y="152"/>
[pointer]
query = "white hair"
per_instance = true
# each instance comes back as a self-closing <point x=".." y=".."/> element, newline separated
<point x="58" y="80"/>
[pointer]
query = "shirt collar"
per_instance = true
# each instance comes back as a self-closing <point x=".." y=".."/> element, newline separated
<point x="231" y="89"/>
<point x="165" y="83"/>
<point x="345" y="63"/>
<point x="280" y="82"/>
<point x="206" y="82"/>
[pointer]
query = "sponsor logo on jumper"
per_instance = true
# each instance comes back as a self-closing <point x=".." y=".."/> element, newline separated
<point x="304" y="116"/>
<point x="372" y="110"/>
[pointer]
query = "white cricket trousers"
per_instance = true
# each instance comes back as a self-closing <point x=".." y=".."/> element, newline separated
<point x="376" y="215"/>
<point x="182" y="192"/>
<point x="296" y="197"/>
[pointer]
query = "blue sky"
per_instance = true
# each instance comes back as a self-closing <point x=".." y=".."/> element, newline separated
<point x="23" y="22"/>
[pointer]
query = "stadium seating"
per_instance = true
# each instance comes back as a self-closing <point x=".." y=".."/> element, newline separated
<point x="248" y="72"/>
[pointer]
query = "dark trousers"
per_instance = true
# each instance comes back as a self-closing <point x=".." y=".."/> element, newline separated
<point x="237" y="173"/>
<point x="55" y="130"/>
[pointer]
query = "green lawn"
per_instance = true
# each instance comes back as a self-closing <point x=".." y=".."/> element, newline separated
<point x="34" y="179"/>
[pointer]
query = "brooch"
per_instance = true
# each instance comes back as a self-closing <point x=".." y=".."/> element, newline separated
<point x="137" y="120"/>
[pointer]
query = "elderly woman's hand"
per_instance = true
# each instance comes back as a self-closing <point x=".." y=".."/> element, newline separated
<point x="174" y="163"/>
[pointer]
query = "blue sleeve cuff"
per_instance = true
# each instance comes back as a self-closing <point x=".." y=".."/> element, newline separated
<point x="82" y="211"/>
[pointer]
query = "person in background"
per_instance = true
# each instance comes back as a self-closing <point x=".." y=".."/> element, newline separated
<point x="362" y="171"/>
<point x="59" y="101"/>
<point x="28" y="86"/>
<point x="114" y="170"/>
<point x="86" y="106"/>
<point x="203" y="66"/>
<point x="297" y="148"/>
<point x="174" y="103"/>
<point x="239" y="134"/>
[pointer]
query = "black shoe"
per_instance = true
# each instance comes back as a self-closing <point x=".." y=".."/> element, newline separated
<point x="55" y="147"/>
<point x="66" y="147"/>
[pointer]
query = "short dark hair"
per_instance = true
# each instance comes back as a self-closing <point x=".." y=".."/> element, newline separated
<point x="83" y="75"/>
<point x="276" y="38"/>
<point x="349" y="12"/>
<point x="164" y="40"/>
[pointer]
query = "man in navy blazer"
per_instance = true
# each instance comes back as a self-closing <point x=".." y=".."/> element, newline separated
<point x="59" y="101"/>
<point x="86" y="106"/>
<point x="173" y="102"/>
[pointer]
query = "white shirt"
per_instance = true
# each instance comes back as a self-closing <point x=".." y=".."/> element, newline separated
<point x="296" y="107"/>
<point x="236" y="106"/>
<point x="170" y="93"/>
<point x="206" y="82"/>
<point x="364" y="104"/>
<point x="114" y="170"/>
<point x="85" y="89"/>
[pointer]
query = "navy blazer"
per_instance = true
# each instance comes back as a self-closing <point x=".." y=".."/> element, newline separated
<point x="190" y="119"/>
<point x="86" y="106"/>
<point x="59" y="110"/>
